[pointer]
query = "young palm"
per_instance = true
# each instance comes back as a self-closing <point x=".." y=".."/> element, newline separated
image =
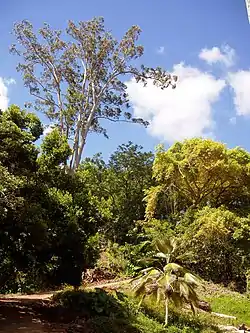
<point x="172" y="282"/>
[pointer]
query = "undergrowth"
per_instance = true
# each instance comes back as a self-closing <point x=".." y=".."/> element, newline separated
<point x="113" y="312"/>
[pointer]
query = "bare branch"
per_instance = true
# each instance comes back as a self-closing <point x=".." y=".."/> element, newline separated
<point x="44" y="99"/>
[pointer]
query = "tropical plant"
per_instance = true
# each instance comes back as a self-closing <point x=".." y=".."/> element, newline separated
<point x="170" y="282"/>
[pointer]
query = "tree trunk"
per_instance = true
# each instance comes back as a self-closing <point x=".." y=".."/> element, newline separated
<point x="78" y="156"/>
<point x="76" y="143"/>
<point x="166" y="312"/>
<point x="84" y="134"/>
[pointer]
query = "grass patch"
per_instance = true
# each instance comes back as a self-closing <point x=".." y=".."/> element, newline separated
<point x="183" y="320"/>
<point x="113" y="312"/>
<point x="226" y="301"/>
<point x="237" y="305"/>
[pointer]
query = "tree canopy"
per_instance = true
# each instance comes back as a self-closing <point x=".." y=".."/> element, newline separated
<point x="54" y="223"/>
<point x="118" y="186"/>
<point x="77" y="76"/>
<point x="196" y="173"/>
<point x="48" y="223"/>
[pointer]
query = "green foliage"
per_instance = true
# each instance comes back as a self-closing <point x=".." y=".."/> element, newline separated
<point x="201" y="196"/>
<point x="171" y="282"/>
<point x="181" y="320"/>
<point x="48" y="223"/>
<point x="96" y="302"/>
<point x="117" y="188"/>
<point x="23" y="232"/>
<point x="18" y="132"/>
<point x="56" y="224"/>
<point x="10" y="196"/>
<point x="197" y="173"/>
<point x="113" y="259"/>
<point x="105" y="312"/>
<point x="153" y="229"/>
<point x="115" y="312"/>
<point x="218" y="243"/>
<point x="55" y="149"/>
<point x="120" y="260"/>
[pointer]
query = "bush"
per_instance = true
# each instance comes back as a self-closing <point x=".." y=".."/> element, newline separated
<point x="218" y="244"/>
<point x="104" y="312"/>
<point x="113" y="260"/>
<point x="122" y="260"/>
<point x="90" y="304"/>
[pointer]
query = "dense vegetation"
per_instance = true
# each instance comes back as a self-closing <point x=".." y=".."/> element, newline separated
<point x="62" y="215"/>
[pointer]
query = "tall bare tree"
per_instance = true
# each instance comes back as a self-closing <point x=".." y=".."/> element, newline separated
<point x="77" y="77"/>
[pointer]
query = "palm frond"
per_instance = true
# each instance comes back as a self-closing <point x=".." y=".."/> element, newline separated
<point x="177" y="300"/>
<point x="144" y="272"/>
<point x="143" y="244"/>
<point x="192" y="279"/>
<point x="140" y="290"/>
<point x="141" y="300"/>
<point x="174" y="282"/>
<point x="184" y="289"/>
<point x="144" y="261"/>
<point x="173" y="267"/>
<point x="170" y="279"/>
<point x="166" y="245"/>
<point x="149" y="276"/>
<point x="186" y="256"/>
<point x="161" y="255"/>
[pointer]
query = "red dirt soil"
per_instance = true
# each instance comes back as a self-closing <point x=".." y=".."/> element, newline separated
<point x="17" y="312"/>
<point x="18" y="316"/>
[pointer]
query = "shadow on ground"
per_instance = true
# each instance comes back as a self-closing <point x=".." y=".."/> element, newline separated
<point x="69" y="312"/>
<point x="19" y="316"/>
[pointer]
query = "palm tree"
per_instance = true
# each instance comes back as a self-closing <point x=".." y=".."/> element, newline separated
<point x="171" y="282"/>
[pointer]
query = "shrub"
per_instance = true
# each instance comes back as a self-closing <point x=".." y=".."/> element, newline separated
<point x="120" y="260"/>
<point x="218" y="244"/>
<point x="91" y="303"/>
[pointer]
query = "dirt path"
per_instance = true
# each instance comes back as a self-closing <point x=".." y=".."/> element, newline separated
<point x="46" y="296"/>
<point x="35" y="297"/>
<point x="17" y="315"/>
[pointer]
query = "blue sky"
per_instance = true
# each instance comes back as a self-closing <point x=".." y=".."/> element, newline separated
<point x="205" y="42"/>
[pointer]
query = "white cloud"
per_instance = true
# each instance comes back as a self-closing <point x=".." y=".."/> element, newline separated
<point x="181" y="113"/>
<point x="3" y="95"/>
<point x="224" y="55"/>
<point x="48" y="129"/>
<point x="240" y="83"/>
<point x="161" y="50"/>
